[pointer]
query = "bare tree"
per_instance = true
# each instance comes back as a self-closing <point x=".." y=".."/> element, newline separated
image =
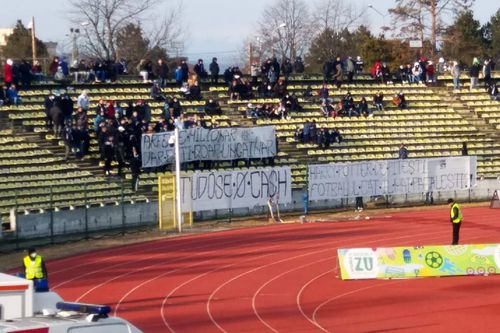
<point x="168" y="30"/>
<point x="411" y="17"/>
<point x="337" y="15"/>
<point x="285" y="29"/>
<point x="104" y="18"/>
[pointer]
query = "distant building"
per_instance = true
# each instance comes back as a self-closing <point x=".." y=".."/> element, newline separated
<point x="4" y="33"/>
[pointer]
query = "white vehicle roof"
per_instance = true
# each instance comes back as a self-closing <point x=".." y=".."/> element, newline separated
<point x="75" y="323"/>
<point x="23" y="310"/>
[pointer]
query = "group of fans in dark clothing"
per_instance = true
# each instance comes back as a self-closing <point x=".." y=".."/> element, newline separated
<point x="324" y="137"/>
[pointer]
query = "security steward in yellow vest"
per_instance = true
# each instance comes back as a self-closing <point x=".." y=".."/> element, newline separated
<point x="34" y="266"/>
<point x="456" y="220"/>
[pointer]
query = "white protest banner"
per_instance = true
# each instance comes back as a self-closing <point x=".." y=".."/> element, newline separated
<point x="340" y="180"/>
<point x="200" y="144"/>
<point x="391" y="177"/>
<point x="235" y="188"/>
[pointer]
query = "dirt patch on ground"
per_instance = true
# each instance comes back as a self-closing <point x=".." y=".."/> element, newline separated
<point x="13" y="260"/>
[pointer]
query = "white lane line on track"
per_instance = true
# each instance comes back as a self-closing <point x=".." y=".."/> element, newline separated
<point x="254" y="298"/>
<point x="214" y="270"/>
<point x="281" y="274"/>
<point x="121" y="248"/>
<point x="154" y="265"/>
<point x="314" y="315"/>
<point x="165" y="300"/>
<point x="345" y="294"/>
<point x="299" y="294"/>
<point x="173" y="271"/>
<point x="177" y="247"/>
<point x="284" y="260"/>
<point x="165" y="244"/>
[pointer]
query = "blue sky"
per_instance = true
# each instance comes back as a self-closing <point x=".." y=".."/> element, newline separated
<point x="215" y="27"/>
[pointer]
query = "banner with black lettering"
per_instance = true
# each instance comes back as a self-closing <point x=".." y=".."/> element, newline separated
<point x="200" y="144"/>
<point x="235" y="188"/>
<point x="391" y="177"/>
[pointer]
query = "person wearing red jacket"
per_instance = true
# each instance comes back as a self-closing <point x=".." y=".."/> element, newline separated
<point x="377" y="72"/>
<point x="7" y="72"/>
<point x="430" y="73"/>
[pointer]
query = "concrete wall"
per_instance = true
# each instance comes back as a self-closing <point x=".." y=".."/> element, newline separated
<point x="82" y="220"/>
<point x="144" y="214"/>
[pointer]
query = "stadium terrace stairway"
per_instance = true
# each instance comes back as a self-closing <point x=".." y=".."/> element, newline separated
<point x="476" y="106"/>
<point x="435" y="123"/>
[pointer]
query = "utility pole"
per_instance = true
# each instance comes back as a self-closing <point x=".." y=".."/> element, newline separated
<point x="250" y="54"/>
<point x="33" y="39"/>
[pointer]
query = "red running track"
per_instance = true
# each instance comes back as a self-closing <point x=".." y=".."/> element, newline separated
<point x="285" y="278"/>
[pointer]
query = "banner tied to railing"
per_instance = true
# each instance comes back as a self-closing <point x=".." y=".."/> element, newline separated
<point x="419" y="261"/>
<point x="391" y="177"/>
<point x="200" y="144"/>
<point x="233" y="189"/>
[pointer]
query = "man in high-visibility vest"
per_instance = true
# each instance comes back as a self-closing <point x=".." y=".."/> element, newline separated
<point x="456" y="219"/>
<point x="34" y="266"/>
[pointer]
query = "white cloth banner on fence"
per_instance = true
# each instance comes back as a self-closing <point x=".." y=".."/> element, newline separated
<point x="235" y="188"/>
<point x="391" y="177"/>
<point x="200" y="144"/>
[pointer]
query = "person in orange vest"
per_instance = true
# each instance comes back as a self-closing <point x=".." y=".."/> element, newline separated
<point x="456" y="219"/>
<point x="34" y="266"/>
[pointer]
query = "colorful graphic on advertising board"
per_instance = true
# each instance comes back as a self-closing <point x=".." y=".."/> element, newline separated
<point x="419" y="261"/>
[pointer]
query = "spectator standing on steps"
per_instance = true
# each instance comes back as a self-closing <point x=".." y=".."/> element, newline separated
<point x="199" y="69"/>
<point x="455" y="219"/>
<point x="487" y="72"/>
<point x="214" y="71"/>
<point x="82" y="138"/>
<point x="465" y="150"/>
<point x="298" y="66"/>
<point x="83" y="100"/>
<point x="48" y="104"/>
<point x="286" y="68"/>
<point x="135" y="168"/>
<point x="162" y="71"/>
<point x="350" y="67"/>
<point x="69" y="139"/>
<point x="455" y="73"/>
<point x="474" y="73"/>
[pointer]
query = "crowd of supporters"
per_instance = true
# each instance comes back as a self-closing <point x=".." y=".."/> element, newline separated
<point x="119" y="127"/>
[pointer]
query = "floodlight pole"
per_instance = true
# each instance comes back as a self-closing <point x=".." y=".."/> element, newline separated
<point x="178" y="179"/>
<point x="273" y="41"/>
<point x="74" y="51"/>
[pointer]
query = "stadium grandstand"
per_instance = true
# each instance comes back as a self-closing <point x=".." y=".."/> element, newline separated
<point x="317" y="184"/>
<point x="437" y="121"/>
